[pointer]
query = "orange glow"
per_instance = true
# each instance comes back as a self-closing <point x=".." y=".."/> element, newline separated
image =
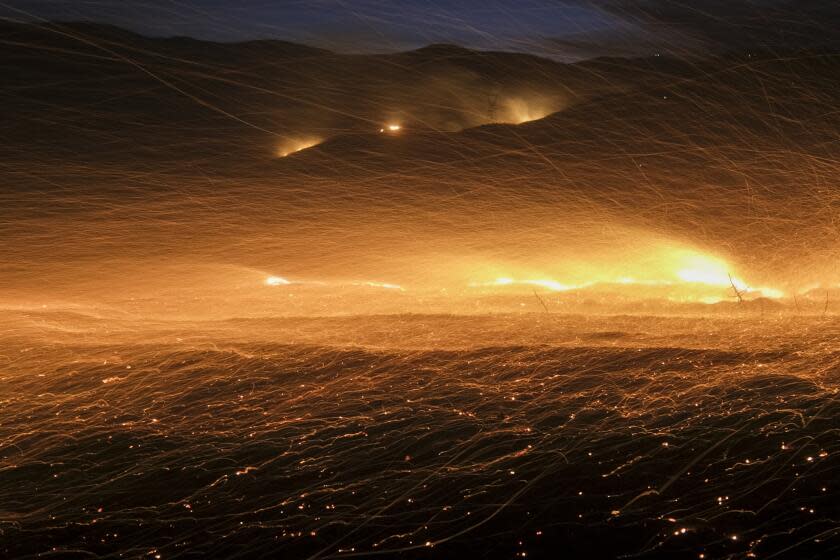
<point x="293" y="146"/>
<point x="518" y="110"/>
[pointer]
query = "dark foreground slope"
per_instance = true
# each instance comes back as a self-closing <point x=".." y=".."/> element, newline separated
<point x="616" y="443"/>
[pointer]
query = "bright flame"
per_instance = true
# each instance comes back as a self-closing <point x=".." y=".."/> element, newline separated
<point x="276" y="281"/>
<point x="770" y="292"/>
<point x="680" y="273"/>
<point x="293" y="146"/>
<point x="519" y="110"/>
<point x="384" y="285"/>
<point x="706" y="270"/>
<point x="552" y="285"/>
<point x="391" y="128"/>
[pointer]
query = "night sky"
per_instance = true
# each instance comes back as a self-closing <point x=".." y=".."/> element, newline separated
<point x="561" y="28"/>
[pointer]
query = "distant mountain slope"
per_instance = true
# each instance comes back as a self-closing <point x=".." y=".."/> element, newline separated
<point x="115" y="91"/>
<point x="735" y="155"/>
<point x="730" y="152"/>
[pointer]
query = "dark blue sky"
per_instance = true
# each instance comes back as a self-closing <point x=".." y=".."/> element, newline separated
<point x="565" y="28"/>
<point x="344" y="25"/>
